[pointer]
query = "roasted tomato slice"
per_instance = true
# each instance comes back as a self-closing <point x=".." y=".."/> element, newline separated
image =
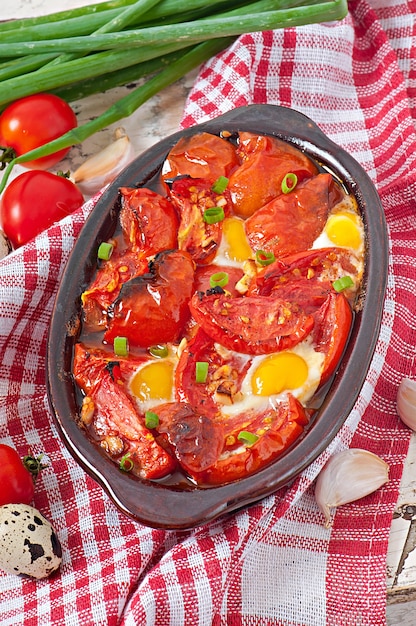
<point x="307" y="277"/>
<point x="105" y="288"/>
<point x="196" y="235"/>
<point x="252" y="445"/>
<point x="252" y="325"/>
<point x="196" y="439"/>
<point x="333" y="322"/>
<point x="291" y="222"/>
<point x="265" y="161"/>
<point x="109" y="412"/>
<point x="201" y="156"/>
<point x="148" y="220"/>
<point x="153" y="308"/>
<point x="121" y="431"/>
<point x="89" y="362"/>
<point x="149" y="223"/>
<point x="212" y="452"/>
<point x="225" y="374"/>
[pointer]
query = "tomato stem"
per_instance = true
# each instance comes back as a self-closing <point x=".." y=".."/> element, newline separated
<point x="8" y="155"/>
<point x="34" y="465"/>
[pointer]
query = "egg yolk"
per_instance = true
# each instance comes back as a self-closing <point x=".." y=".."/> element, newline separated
<point x="278" y="372"/>
<point x="153" y="381"/>
<point x="343" y="230"/>
<point x="234" y="233"/>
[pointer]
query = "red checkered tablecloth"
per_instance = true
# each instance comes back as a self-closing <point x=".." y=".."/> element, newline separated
<point x="273" y="563"/>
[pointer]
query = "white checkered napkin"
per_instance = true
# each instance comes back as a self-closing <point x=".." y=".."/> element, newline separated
<point x="273" y="563"/>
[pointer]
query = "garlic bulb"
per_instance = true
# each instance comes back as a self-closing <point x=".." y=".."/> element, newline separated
<point x="349" y="476"/>
<point x="103" y="167"/>
<point x="406" y="402"/>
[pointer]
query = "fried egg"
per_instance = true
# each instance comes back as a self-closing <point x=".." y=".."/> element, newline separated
<point x="153" y="382"/>
<point x="343" y="228"/>
<point x="271" y="376"/>
<point x="234" y="248"/>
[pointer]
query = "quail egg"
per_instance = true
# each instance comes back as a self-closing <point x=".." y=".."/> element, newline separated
<point x="29" y="545"/>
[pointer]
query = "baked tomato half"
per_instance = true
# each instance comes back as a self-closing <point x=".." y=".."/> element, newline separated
<point x="201" y="213"/>
<point x="291" y="222"/>
<point x="149" y="221"/>
<point x="201" y="156"/>
<point x="265" y="162"/>
<point x="153" y="308"/>
<point x="111" y="415"/>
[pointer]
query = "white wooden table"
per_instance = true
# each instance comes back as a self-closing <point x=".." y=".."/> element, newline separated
<point x="156" y="119"/>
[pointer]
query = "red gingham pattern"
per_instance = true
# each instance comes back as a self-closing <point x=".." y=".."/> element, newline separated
<point x="274" y="563"/>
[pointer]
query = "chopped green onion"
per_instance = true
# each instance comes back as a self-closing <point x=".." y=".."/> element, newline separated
<point x="151" y="419"/>
<point x="247" y="437"/>
<point x="121" y="346"/>
<point x="345" y="282"/>
<point x="289" y="182"/>
<point x="220" y="279"/>
<point x="201" y="371"/>
<point x="105" y="250"/>
<point x="126" y="464"/>
<point x="264" y="258"/>
<point x="160" y="350"/>
<point x="213" y="215"/>
<point x="220" y="184"/>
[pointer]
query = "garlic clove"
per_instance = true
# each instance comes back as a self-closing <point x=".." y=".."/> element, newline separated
<point x="406" y="402"/>
<point x="101" y="168"/>
<point x="5" y="245"/>
<point x="349" y="476"/>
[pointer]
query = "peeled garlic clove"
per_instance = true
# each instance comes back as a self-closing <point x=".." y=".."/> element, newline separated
<point x="406" y="402"/>
<point x="101" y="168"/>
<point x="349" y="476"/>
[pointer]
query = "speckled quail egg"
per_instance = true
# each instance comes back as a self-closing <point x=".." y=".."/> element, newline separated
<point x="29" y="545"/>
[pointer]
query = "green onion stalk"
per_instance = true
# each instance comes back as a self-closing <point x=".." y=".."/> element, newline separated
<point x="83" y="51"/>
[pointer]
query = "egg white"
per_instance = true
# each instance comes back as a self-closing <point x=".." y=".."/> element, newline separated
<point x="249" y="401"/>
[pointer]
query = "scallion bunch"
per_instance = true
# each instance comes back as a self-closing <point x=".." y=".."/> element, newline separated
<point x="82" y="51"/>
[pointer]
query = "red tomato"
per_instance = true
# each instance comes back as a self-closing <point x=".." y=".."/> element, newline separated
<point x="148" y="220"/>
<point x="17" y="486"/>
<point x="277" y="430"/>
<point x="115" y="408"/>
<point x="291" y="222"/>
<point x="265" y="161"/>
<point x="153" y="308"/>
<point x="332" y="328"/>
<point x="250" y="325"/>
<point x="35" y="200"/>
<point x="193" y="196"/>
<point x="201" y="156"/>
<point x="33" y="121"/>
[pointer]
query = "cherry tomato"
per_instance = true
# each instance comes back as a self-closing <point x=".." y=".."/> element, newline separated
<point x="17" y="486"/>
<point x="35" y="200"/>
<point x="291" y="222"/>
<point x="33" y="121"/>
